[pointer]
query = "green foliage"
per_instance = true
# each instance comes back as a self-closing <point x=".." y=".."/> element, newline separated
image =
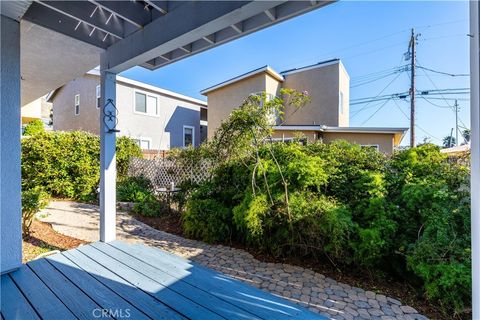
<point x="67" y="164"/>
<point x="148" y="206"/>
<point x="133" y="189"/>
<point x="33" y="200"/>
<point x="34" y="127"/>
<point x="407" y="215"/>
<point x="126" y="149"/>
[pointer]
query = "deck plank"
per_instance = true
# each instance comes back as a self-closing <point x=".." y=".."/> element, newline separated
<point x="255" y="300"/>
<point x="167" y="296"/>
<point x="222" y="307"/>
<point x="143" y="301"/>
<point x="47" y="305"/>
<point x="78" y="302"/>
<point x="99" y="293"/>
<point x="13" y="304"/>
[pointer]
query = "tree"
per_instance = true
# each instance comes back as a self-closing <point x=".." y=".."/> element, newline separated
<point x="449" y="141"/>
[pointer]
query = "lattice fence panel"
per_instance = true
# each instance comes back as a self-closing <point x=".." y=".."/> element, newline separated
<point x="162" y="172"/>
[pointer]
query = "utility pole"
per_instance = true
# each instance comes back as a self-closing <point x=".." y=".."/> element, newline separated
<point x="412" y="50"/>
<point x="456" y="122"/>
<point x="450" y="140"/>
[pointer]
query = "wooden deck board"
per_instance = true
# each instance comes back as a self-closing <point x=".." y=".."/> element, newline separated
<point x="135" y="282"/>
<point x="42" y="299"/>
<point x="261" y="303"/>
<point x="143" y="301"/>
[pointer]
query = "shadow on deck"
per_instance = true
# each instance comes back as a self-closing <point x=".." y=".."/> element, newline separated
<point x="124" y="281"/>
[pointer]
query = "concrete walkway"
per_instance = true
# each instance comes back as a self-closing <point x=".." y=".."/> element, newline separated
<point x="303" y="286"/>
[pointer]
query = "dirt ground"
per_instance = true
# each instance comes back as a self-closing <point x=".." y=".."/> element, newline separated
<point x="43" y="239"/>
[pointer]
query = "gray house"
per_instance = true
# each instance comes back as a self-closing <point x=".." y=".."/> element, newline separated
<point x="156" y="118"/>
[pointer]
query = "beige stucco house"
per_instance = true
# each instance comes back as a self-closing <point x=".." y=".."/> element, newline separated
<point x="37" y="109"/>
<point x="156" y="118"/>
<point x="325" y="118"/>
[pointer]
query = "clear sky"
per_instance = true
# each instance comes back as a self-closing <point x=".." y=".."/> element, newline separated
<point x="370" y="38"/>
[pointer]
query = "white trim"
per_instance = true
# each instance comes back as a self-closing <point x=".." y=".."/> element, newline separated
<point x="297" y="128"/>
<point x="75" y="104"/>
<point x="146" y="93"/>
<point x="144" y="139"/>
<point x="97" y="96"/>
<point x="266" y="69"/>
<point x="364" y="129"/>
<point x="193" y="135"/>
<point x="315" y="66"/>
<point x="157" y="90"/>
<point x="475" y="154"/>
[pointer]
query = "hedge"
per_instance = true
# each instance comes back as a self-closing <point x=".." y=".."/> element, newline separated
<point x="67" y="164"/>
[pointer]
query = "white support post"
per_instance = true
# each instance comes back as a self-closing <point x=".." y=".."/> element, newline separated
<point x="475" y="154"/>
<point x="108" y="170"/>
<point x="10" y="122"/>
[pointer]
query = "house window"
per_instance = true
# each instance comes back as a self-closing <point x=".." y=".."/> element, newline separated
<point x="77" y="104"/>
<point x="146" y="103"/>
<point x="340" y="103"/>
<point x="188" y="136"/>
<point x="97" y="94"/>
<point x="372" y="146"/>
<point x="143" y="143"/>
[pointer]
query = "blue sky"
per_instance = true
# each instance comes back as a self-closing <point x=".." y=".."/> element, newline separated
<point x="368" y="37"/>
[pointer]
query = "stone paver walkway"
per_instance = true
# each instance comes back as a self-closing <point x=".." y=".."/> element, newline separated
<point x="303" y="286"/>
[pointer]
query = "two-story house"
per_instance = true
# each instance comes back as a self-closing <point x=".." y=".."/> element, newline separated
<point x="325" y="118"/>
<point x="156" y="118"/>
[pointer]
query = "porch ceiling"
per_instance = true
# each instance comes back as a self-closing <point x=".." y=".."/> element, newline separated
<point x="62" y="39"/>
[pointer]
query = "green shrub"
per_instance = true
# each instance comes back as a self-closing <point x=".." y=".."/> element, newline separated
<point x="149" y="206"/>
<point x="34" y="127"/>
<point x="126" y="149"/>
<point x="33" y="200"/>
<point x="133" y="189"/>
<point x="407" y="215"/>
<point x="67" y="164"/>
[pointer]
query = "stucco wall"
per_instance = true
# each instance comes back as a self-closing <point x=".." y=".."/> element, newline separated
<point x="383" y="140"/>
<point x="221" y="102"/>
<point x="64" y="117"/>
<point x="10" y="181"/>
<point x="344" y="87"/>
<point x="31" y="111"/>
<point x="164" y="131"/>
<point x="322" y="84"/>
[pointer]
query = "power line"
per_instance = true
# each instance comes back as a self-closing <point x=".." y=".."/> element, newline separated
<point x="445" y="73"/>
<point x="376" y="111"/>
<point x="398" y="75"/>
<point x="416" y="125"/>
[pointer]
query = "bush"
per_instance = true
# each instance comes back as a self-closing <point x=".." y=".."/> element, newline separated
<point x="34" y="127"/>
<point x="67" y="164"/>
<point x="133" y="189"/>
<point x="33" y="200"/>
<point x="406" y="216"/>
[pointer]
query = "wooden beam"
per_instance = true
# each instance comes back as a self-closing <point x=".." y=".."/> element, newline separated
<point x="271" y="14"/>
<point x="130" y="11"/>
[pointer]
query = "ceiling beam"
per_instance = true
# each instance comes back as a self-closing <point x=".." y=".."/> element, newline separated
<point x="271" y="14"/>
<point x="130" y="11"/>
<point x="161" y="6"/>
<point x="89" y="14"/>
<point x="61" y="23"/>
<point x="195" y="22"/>
<point x="238" y="27"/>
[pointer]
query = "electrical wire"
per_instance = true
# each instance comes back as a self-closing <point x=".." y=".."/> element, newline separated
<point x="376" y="111"/>
<point x="416" y="125"/>
<point x="385" y="88"/>
<point x="445" y="73"/>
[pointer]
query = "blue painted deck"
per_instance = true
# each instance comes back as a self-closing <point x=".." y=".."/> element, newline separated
<point x="125" y="281"/>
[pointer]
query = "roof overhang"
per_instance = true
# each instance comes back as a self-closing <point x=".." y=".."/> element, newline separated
<point x="67" y="36"/>
<point x="266" y="70"/>
<point x="398" y="133"/>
